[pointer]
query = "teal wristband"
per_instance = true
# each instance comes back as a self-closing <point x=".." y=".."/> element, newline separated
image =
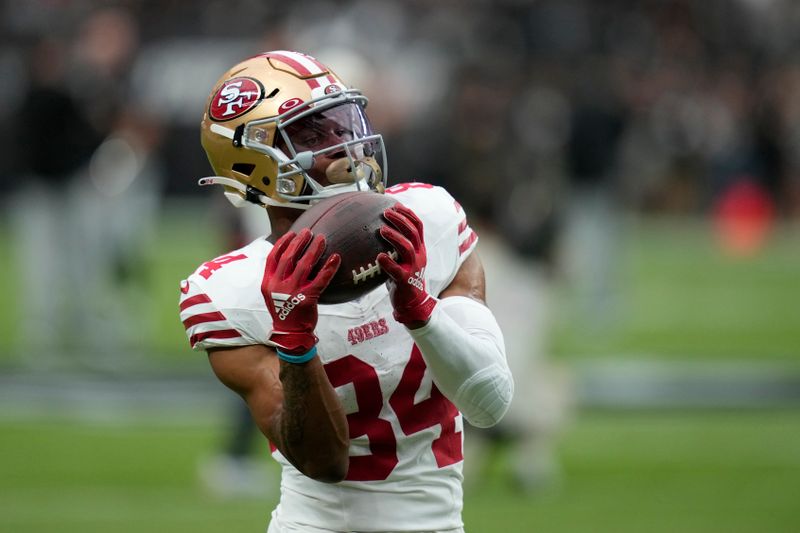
<point x="297" y="359"/>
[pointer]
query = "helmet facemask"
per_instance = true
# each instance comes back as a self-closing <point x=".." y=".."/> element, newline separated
<point x="332" y="129"/>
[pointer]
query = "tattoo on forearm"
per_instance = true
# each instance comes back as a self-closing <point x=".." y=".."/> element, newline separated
<point x="295" y="394"/>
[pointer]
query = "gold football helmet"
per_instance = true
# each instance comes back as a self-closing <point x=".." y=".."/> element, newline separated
<point x="282" y="129"/>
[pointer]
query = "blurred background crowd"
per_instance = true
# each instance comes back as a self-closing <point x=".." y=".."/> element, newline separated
<point x="559" y="125"/>
<point x="513" y="105"/>
<point x="546" y="119"/>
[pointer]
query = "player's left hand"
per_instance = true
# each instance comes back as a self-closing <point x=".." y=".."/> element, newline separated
<point x="412" y="303"/>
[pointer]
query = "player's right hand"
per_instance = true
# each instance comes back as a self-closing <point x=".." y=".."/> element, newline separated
<point x="291" y="294"/>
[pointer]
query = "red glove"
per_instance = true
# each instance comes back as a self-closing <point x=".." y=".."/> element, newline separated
<point x="412" y="303"/>
<point x="290" y="295"/>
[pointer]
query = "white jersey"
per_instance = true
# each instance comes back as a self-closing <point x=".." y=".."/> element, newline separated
<point x="405" y="437"/>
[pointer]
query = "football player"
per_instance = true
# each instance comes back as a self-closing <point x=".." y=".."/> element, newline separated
<point x="362" y="402"/>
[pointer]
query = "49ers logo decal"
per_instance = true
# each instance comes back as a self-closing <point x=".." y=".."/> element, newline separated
<point x="234" y="98"/>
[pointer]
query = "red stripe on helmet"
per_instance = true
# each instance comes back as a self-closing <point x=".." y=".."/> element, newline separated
<point x="299" y="67"/>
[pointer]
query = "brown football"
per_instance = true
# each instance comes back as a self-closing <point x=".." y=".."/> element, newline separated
<point x="350" y="223"/>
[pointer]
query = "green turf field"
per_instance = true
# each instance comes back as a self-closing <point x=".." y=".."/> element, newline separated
<point x="677" y="296"/>
<point x="184" y="240"/>
<point x="706" y="472"/>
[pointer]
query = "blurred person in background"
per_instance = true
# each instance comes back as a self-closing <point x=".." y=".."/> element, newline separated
<point x="80" y="227"/>
<point x="521" y="287"/>
<point x="346" y="423"/>
<point x="45" y="237"/>
<point x="503" y="158"/>
<point x="591" y="236"/>
<point x="119" y="197"/>
<point x="235" y="469"/>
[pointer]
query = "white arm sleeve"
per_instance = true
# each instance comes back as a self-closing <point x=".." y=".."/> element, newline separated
<point x="463" y="347"/>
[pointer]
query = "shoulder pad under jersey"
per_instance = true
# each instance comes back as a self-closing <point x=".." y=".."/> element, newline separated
<point x="448" y="237"/>
<point x="221" y="303"/>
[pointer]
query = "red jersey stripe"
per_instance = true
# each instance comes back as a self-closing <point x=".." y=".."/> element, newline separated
<point x="201" y="318"/>
<point x="217" y="334"/>
<point x="194" y="300"/>
<point x="464" y="246"/>
<point x="462" y="226"/>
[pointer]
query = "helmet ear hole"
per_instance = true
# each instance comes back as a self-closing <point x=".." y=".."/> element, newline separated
<point x="243" y="168"/>
<point x="266" y="181"/>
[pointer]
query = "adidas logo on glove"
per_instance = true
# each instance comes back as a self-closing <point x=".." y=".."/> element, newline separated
<point x="283" y="305"/>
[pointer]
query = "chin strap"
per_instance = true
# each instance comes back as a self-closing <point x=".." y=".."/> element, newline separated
<point x="253" y="195"/>
<point x="248" y="194"/>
